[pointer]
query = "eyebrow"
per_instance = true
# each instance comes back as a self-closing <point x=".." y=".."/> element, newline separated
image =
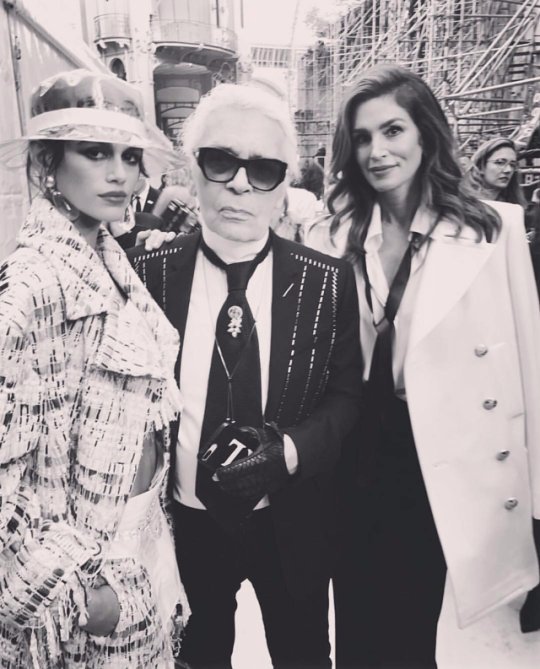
<point x="383" y="125"/>
<point x="81" y="144"/>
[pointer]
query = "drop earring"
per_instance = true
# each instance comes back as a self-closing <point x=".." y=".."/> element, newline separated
<point x="59" y="201"/>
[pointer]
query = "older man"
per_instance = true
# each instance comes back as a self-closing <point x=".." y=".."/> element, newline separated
<point x="269" y="360"/>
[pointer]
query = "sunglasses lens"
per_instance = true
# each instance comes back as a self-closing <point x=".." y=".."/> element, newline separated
<point x="217" y="165"/>
<point x="220" y="166"/>
<point x="266" y="173"/>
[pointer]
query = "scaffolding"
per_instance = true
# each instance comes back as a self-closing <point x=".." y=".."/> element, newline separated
<point x="481" y="58"/>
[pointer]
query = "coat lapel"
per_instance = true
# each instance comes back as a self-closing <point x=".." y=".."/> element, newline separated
<point x="452" y="264"/>
<point x="177" y="288"/>
<point x="286" y="282"/>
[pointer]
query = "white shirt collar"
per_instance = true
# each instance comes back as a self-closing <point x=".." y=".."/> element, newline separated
<point x="421" y="224"/>
<point x="232" y="251"/>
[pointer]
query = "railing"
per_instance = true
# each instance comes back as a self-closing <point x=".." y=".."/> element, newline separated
<point x="193" y="32"/>
<point x="108" y="26"/>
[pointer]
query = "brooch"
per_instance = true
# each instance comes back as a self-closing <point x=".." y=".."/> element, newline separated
<point x="235" y="324"/>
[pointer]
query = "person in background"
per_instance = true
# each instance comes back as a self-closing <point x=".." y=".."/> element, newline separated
<point x="311" y="178"/>
<point x="320" y="156"/>
<point x="270" y="361"/>
<point x="164" y="181"/>
<point x="145" y="197"/>
<point x="493" y="172"/>
<point x="303" y="204"/>
<point x="88" y="575"/>
<point x="300" y="210"/>
<point x="532" y="220"/>
<point x="443" y="478"/>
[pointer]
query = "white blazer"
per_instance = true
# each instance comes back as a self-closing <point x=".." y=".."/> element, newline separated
<point x="472" y="378"/>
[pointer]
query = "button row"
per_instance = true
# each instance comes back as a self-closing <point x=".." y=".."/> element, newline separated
<point x="480" y="351"/>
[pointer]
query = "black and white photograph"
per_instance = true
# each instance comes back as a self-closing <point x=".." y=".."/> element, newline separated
<point x="270" y="334"/>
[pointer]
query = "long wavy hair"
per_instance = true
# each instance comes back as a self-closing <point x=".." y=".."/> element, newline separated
<point x="475" y="172"/>
<point x="439" y="176"/>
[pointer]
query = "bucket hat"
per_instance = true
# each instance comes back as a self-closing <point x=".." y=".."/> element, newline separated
<point x="81" y="105"/>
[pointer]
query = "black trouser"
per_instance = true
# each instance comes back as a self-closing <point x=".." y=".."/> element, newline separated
<point x="213" y="565"/>
<point x="389" y="585"/>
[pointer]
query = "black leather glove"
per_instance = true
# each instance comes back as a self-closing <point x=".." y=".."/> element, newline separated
<point x="529" y="616"/>
<point x="261" y="473"/>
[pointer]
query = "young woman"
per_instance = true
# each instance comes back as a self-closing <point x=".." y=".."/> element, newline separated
<point x="445" y="474"/>
<point x="88" y="576"/>
<point x="493" y="172"/>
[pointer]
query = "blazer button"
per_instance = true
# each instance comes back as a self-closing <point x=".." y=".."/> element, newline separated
<point x="489" y="404"/>
<point x="502" y="455"/>
<point x="511" y="503"/>
<point x="480" y="351"/>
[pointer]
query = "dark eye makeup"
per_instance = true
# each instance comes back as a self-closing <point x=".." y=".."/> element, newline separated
<point x="101" y="150"/>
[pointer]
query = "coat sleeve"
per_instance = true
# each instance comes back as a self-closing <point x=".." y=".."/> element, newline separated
<point x="37" y="557"/>
<point x="527" y="322"/>
<point x="318" y="438"/>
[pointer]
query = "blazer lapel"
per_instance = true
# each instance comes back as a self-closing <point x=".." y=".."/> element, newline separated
<point x="286" y="282"/>
<point x="177" y="288"/>
<point x="151" y="199"/>
<point x="452" y="263"/>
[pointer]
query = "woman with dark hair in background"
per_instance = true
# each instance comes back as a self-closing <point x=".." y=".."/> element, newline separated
<point x="445" y="472"/>
<point x="88" y="575"/>
<point x="493" y="172"/>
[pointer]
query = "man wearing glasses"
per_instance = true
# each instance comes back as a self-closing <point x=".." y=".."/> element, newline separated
<point x="269" y="370"/>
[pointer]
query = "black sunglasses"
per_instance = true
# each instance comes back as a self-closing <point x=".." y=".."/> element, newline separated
<point x="221" y="167"/>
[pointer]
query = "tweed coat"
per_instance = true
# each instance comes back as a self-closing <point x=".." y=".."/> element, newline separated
<point x="86" y="361"/>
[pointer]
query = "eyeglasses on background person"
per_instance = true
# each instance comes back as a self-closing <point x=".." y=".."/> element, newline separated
<point x="502" y="164"/>
<point x="493" y="172"/>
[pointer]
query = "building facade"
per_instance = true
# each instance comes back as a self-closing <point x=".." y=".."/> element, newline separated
<point x="174" y="51"/>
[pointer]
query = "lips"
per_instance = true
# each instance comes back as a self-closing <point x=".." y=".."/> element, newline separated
<point x="116" y="197"/>
<point x="381" y="170"/>
<point x="234" y="214"/>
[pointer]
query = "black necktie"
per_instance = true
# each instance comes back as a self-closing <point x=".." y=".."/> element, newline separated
<point x="138" y="207"/>
<point x="381" y="377"/>
<point x="234" y="384"/>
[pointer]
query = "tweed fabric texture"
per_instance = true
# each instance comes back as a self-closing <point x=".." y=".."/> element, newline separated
<point x="86" y="371"/>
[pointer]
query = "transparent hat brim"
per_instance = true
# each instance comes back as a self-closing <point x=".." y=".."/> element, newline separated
<point x="158" y="155"/>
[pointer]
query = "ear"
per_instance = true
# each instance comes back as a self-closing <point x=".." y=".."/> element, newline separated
<point x="41" y="160"/>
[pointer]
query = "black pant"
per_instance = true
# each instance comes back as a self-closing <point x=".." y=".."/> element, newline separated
<point x="389" y="584"/>
<point x="213" y="565"/>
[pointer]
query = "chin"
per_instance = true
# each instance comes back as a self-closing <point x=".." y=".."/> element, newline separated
<point x="382" y="187"/>
<point x="239" y="232"/>
<point x="111" y="214"/>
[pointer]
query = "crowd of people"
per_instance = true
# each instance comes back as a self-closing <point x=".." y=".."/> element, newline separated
<point x="236" y="378"/>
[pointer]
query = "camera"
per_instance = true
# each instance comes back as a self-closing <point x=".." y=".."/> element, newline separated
<point x="176" y="218"/>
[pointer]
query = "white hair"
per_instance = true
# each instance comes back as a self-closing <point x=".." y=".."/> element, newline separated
<point x="244" y="97"/>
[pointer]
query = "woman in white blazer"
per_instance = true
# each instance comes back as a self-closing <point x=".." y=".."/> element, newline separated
<point x="444" y="477"/>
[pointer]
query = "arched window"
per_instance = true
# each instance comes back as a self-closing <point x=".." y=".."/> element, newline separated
<point x="117" y="68"/>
